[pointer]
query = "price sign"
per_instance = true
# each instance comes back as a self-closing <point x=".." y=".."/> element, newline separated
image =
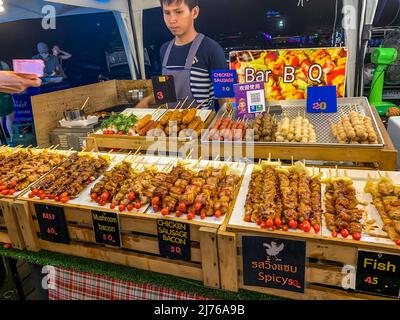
<point x="174" y="239"/>
<point x="52" y="223"/>
<point x="378" y="273"/>
<point x="274" y="263"/>
<point x="322" y="99"/>
<point x="223" y="81"/>
<point x="164" y="89"/>
<point x="106" y="228"/>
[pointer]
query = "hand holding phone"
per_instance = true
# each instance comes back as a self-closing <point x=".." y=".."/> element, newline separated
<point x="29" y="66"/>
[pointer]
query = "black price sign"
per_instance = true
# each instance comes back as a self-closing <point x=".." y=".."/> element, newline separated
<point x="274" y="263"/>
<point x="164" y="89"/>
<point x="106" y="228"/>
<point x="174" y="239"/>
<point x="52" y="223"/>
<point x="378" y="273"/>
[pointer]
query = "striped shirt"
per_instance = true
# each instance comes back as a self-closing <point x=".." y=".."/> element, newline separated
<point x="210" y="56"/>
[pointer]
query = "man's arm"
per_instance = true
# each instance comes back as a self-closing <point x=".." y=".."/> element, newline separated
<point x="11" y="82"/>
<point x="146" y="102"/>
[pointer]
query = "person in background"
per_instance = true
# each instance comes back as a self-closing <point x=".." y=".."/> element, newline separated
<point x="62" y="56"/>
<point x="190" y="56"/>
<point x="52" y="63"/>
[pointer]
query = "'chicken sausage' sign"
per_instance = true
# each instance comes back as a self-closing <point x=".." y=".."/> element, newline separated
<point x="274" y="263"/>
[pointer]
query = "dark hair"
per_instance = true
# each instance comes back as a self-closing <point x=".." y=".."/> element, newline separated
<point x="190" y="3"/>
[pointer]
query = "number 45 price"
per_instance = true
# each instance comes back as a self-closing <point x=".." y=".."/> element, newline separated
<point x="371" y="280"/>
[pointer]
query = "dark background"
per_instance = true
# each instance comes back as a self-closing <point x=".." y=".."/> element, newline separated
<point x="233" y="23"/>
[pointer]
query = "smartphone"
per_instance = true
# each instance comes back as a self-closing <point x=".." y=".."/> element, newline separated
<point x="29" y="66"/>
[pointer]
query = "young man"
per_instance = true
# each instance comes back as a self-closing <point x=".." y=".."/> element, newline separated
<point x="190" y="56"/>
<point x="52" y="64"/>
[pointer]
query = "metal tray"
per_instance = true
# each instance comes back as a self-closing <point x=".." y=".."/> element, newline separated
<point x="321" y="121"/>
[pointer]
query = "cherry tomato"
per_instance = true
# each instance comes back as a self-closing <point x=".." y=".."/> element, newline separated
<point x="7" y="246"/>
<point x="182" y="207"/>
<point x="334" y="234"/>
<point x="247" y="218"/>
<point x="51" y="196"/>
<point x="102" y="203"/>
<point x="121" y="207"/>
<point x="62" y="199"/>
<point x="121" y="133"/>
<point x="155" y="201"/>
<point x="306" y="226"/>
<point x="105" y="131"/>
<point x="269" y="223"/>
<point x="203" y="216"/>
<point x="356" y="236"/>
<point x="104" y="196"/>
<point x="138" y="205"/>
<point x="11" y="191"/>
<point x="273" y="228"/>
<point x="301" y="225"/>
<point x="285" y="228"/>
<point x="278" y="222"/>
<point x="131" y="196"/>
<point x="113" y="205"/>
<point x="130" y="207"/>
<point x="30" y="195"/>
<point x="263" y="225"/>
<point x="218" y="214"/>
<point x="344" y="233"/>
<point x="2" y="187"/>
<point x="258" y="221"/>
<point x="35" y="191"/>
<point x="398" y="242"/>
<point x="156" y="208"/>
<point x="4" y="192"/>
<point x="64" y="194"/>
<point x="57" y="198"/>
<point x="42" y="196"/>
<point x="190" y="216"/>
<point x="93" y="196"/>
<point x="165" y="211"/>
<point x="14" y="183"/>
<point x="293" y="224"/>
<point x="317" y="228"/>
<point x="197" y="206"/>
<point x="178" y="213"/>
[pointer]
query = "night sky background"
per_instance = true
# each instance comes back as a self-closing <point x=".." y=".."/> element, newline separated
<point x="87" y="37"/>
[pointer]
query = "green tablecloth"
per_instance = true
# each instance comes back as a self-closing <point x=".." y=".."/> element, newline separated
<point x="129" y="274"/>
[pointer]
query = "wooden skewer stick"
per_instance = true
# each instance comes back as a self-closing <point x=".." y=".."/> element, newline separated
<point x="292" y="161"/>
<point x="191" y="104"/>
<point x="189" y="154"/>
<point x="269" y="156"/>
<point x="177" y="105"/>
<point x="183" y="103"/>
<point x="337" y="171"/>
<point x="202" y="104"/>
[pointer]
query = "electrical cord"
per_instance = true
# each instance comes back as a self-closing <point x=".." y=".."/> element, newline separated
<point x="397" y="14"/>
<point x="334" y="24"/>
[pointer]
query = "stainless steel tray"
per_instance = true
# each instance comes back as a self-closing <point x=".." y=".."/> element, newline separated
<point x="321" y="121"/>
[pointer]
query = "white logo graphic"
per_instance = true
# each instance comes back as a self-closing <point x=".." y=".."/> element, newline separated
<point x="273" y="250"/>
<point x="49" y="280"/>
<point x="301" y="3"/>
<point x="349" y="17"/>
<point x="349" y="278"/>
<point x="49" y="20"/>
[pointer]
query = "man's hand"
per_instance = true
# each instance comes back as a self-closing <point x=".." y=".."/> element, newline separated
<point x="11" y="82"/>
<point x="146" y="102"/>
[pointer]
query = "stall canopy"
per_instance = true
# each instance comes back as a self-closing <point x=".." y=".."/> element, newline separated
<point x="128" y="14"/>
